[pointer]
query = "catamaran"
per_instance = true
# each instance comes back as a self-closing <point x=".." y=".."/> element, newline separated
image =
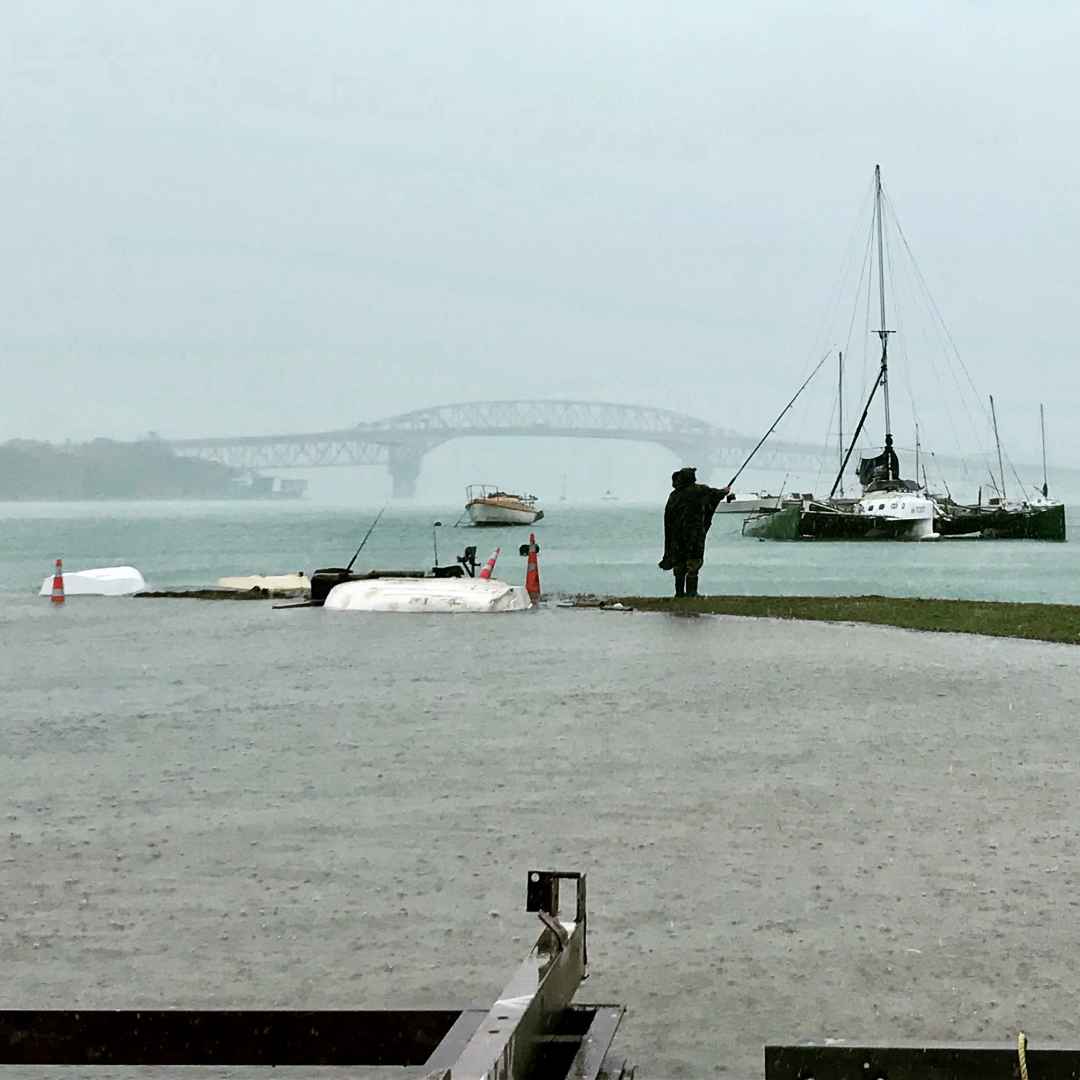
<point x="892" y="507"/>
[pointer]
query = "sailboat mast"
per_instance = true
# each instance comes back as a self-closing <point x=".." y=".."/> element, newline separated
<point x="1042" y="429"/>
<point x="1001" y="468"/>
<point x="882" y="332"/>
<point x="840" y="436"/>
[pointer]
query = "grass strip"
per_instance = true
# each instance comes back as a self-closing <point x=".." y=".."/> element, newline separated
<point x="1039" y="622"/>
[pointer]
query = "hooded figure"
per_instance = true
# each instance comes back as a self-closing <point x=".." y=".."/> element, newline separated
<point x="687" y="517"/>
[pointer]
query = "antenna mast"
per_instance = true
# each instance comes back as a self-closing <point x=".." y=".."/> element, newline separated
<point x="840" y="436"/>
<point x="1001" y="469"/>
<point x="882" y="332"/>
<point x="1042" y="428"/>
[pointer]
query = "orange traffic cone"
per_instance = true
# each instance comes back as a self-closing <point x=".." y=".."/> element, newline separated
<point x="485" y="574"/>
<point x="58" y="583"/>
<point x="532" y="571"/>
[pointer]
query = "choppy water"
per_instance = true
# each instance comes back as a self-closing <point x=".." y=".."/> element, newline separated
<point x="602" y="549"/>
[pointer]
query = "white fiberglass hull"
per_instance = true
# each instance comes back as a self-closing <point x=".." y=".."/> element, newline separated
<point x="749" y="504"/>
<point x="439" y="595"/>
<point x="103" y="581"/>
<point x="903" y="516"/>
<point x="482" y="512"/>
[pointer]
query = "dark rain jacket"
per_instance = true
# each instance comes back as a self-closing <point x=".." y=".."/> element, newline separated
<point x="687" y="517"/>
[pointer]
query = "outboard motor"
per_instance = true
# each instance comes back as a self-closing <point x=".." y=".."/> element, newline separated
<point x="322" y="581"/>
<point x="468" y="560"/>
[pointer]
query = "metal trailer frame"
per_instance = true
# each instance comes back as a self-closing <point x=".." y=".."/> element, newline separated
<point x="532" y="1030"/>
<point x="842" y="1059"/>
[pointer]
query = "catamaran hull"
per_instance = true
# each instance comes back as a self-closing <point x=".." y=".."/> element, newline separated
<point x="795" y="523"/>
<point x="1022" y="523"/>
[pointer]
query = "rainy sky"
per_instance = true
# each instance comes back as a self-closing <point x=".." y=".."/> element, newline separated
<point x="250" y="218"/>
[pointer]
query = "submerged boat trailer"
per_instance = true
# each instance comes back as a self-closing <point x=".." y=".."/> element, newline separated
<point x="533" y="1031"/>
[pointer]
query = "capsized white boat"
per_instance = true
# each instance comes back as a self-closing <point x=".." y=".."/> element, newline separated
<point x="440" y="595"/>
<point x="102" y="581"/>
<point x="489" y="505"/>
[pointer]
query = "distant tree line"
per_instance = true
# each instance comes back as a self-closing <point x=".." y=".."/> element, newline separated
<point x="104" y="469"/>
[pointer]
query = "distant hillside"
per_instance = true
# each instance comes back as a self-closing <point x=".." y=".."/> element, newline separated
<point x="104" y="469"/>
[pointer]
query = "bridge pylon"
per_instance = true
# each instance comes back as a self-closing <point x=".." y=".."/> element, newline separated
<point x="404" y="463"/>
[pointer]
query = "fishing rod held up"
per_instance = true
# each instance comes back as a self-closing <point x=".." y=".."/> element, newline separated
<point x="371" y="529"/>
<point x="783" y="413"/>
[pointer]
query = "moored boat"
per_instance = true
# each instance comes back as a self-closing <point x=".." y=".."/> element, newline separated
<point x="489" y="505"/>
<point x="889" y="506"/>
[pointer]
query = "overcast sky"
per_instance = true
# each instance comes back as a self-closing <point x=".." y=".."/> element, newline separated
<point x="278" y="216"/>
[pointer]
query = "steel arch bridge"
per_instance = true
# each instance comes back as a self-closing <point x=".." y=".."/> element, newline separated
<point x="401" y="442"/>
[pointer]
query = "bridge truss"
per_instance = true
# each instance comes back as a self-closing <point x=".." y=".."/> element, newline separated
<point x="401" y="442"/>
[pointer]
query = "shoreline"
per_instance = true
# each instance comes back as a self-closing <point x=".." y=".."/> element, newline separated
<point x="1058" y="623"/>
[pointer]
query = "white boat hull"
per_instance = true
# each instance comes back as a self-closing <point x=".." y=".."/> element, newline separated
<point x="430" y="595"/>
<point x="103" y="581"/>
<point x="905" y="516"/>
<point x="749" y="504"/>
<point x="486" y="513"/>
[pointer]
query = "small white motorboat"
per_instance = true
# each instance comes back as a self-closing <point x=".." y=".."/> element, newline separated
<point x="489" y="505"/>
<point x="102" y="581"/>
<point x="436" y="595"/>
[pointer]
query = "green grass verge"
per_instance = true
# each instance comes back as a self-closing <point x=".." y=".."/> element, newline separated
<point x="1041" y="622"/>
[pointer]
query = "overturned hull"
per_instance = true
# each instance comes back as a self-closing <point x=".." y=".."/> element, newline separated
<point x="430" y="595"/>
<point x="101" y="581"/>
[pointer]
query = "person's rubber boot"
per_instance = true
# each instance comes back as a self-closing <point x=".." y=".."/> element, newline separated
<point x="680" y="585"/>
<point x="691" y="585"/>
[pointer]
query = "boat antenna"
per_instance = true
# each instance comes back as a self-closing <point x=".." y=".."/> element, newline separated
<point x="917" y="453"/>
<point x="997" y="441"/>
<point x="783" y="413"/>
<point x="1042" y="429"/>
<point x="882" y="332"/>
<point x="840" y="435"/>
<point x="371" y="529"/>
<point x="941" y="474"/>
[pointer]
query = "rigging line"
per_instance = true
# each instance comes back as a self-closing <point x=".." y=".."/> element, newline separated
<point x="947" y="345"/>
<point x="846" y="266"/>
<point x="866" y="327"/>
<point x="899" y="296"/>
<point x="858" y="288"/>
<point x="936" y="311"/>
<point x="899" y="337"/>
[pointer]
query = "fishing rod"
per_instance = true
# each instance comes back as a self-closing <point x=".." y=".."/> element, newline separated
<point x="371" y="529"/>
<point x="783" y="413"/>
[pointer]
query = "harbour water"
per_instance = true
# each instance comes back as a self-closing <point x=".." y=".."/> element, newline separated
<point x="603" y="548"/>
<point x="791" y="830"/>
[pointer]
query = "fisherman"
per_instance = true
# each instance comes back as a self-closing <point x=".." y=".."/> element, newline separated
<point x="687" y="517"/>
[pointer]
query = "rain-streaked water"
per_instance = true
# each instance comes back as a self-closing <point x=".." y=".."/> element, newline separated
<point x="600" y="548"/>
<point x="222" y="805"/>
